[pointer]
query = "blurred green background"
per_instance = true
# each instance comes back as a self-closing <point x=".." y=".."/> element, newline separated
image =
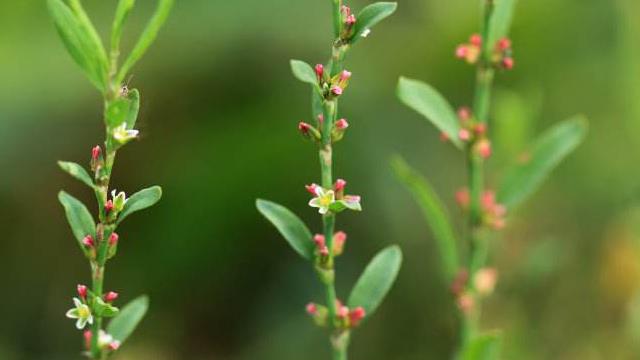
<point x="219" y="118"/>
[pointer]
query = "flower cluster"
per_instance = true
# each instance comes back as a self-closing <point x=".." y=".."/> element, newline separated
<point x="345" y="318"/>
<point x="333" y="200"/>
<point x="501" y="56"/>
<point x="315" y="133"/>
<point x="474" y="133"/>
<point x="493" y="213"/>
<point x="87" y="305"/>
<point x="483" y="285"/>
<point x="106" y="342"/>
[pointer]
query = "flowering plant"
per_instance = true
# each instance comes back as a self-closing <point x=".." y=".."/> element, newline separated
<point x="464" y="263"/>
<point x="99" y="242"/>
<point x="328" y="83"/>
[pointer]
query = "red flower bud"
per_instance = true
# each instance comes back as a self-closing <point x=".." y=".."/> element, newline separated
<point x="88" y="241"/>
<point x="504" y="44"/>
<point x="339" y="239"/>
<point x="114" y="345"/>
<point x="87" y="339"/>
<point x="110" y="296"/>
<point x="475" y="40"/>
<point x="484" y="148"/>
<point x="304" y="128"/>
<point x="312" y="309"/>
<point x="339" y="185"/>
<point x="108" y="206"/>
<point x="113" y="239"/>
<point x="464" y="113"/>
<point x="319" y="71"/>
<point x="336" y="90"/>
<point x="345" y="75"/>
<point x="480" y="129"/>
<point x="95" y="153"/>
<point x="319" y="240"/>
<point x="464" y="135"/>
<point x="463" y="198"/>
<point x="461" y="51"/>
<point x="342" y="124"/>
<point x="351" y="19"/>
<point x="508" y="63"/>
<point x="342" y="311"/>
<point x="356" y="315"/>
<point x="313" y="188"/>
<point x="82" y="291"/>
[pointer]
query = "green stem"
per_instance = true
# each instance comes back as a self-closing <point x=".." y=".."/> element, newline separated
<point x="340" y="344"/>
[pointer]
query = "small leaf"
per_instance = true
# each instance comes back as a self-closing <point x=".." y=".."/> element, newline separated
<point x="117" y="112"/>
<point x="146" y="39"/>
<point x="81" y="45"/>
<point x="289" y="225"/>
<point x="128" y="319"/>
<point x="304" y="72"/>
<point x="370" y="16"/>
<point x="546" y="153"/>
<point x="139" y="201"/>
<point x="77" y="172"/>
<point x="134" y="109"/>
<point x="104" y="309"/>
<point x="376" y="280"/>
<point x="78" y="216"/>
<point x="429" y="103"/>
<point x="483" y="347"/>
<point x="500" y="21"/>
<point x="434" y="213"/>
<point x="122" y="13"/>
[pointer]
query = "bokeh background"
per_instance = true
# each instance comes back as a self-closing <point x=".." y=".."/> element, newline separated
<point x="219" y="118"/>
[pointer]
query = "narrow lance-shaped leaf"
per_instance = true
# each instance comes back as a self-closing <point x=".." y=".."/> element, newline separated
<point x="78" y="43"/>
<point x="376" y="280"/>
<point x="500" y="21"/>
<point x="483" y="347"/>
<point x="78" y="216"/>
<point x="141" y="200"/>
<point x="434" y="213"/>
<point x="77" y="172"/>
<point x="535" y="165"/>
<point x="128" y="318"/>
<point x="370" y="16"/>
<point x="428" y="102"/>
<point x="304" y="72"/>
<point x="122" y="13"/>
<point x="289" y="225"/>
<point x="148" y="36"/>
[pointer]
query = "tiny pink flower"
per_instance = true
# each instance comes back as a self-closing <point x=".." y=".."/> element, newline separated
<point x="312" y="309"/>
<point x="464" y="113"/>
<point x="463" y="198"/>
<point x="345" y="10"/>
<point x="339" y="185"/>
<point x="508" y="63"/>
<point x="114" y="345"/>
<point x="324" y="251"/>
<point x="342" y="311"/>
<point x="476" y="40"/>
<point x="95" y="153"/>
<point x="304" y="128"/>
<point x="464" y="135"/>
<point x="342" y="124"/>
<point x="484" y="148"/>
<point x="312" y="189"/>
<point x="339" y="239"/>
<point x="113" y="239"/>
<point x="345" y="75"/>
<point x="462" y="51"/>
<point x="356" y="315"/>
<point x="88" y="241"/>
<point x="336" y="90"/>
<point x="504" y="44"/>
<point x="319" y="240"/>
<point x="110" y="296"/>
<point x="480" y="129"/>
<point x="319" y="71"/>
<point x="108" y="206"/>
<point x="87" y="338"/>
<point x="351" y="19"/>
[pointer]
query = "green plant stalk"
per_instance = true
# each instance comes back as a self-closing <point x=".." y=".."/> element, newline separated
<point x="478" y="244"/>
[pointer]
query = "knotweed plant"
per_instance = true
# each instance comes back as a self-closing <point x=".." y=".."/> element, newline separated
<point x="464" y="262"/>
<point x="329" y="83"/>
<point x="99" y="241"/>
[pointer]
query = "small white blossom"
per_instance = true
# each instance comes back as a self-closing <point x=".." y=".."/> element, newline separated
<point x="81" y="312"/>
<point x="323" y="200"/>
<point x="122" y="134"/>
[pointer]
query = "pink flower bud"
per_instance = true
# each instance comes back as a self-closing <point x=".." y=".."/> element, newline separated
<point x="324" y="251"/>
<point x="339" y="185"/>
<point x="319" y="71"/>
<point x="114" y="345"/>
<point x="484" y="148"/>
<point x="444" y="137"/>
<point x="95" y="153"/>
<point x="504" y="44"/>
<point x="508" y="63"/>
<point x="304" y="128"/>
<point x="463" y="198"/>
<point x="356" y="315"/>
<point x="342" y="124"/>
<point x="464" y="135"/>
<point x="459" y="282"/>
<point x="313" y="189"/>
<point x="345" y="75"/>
<point x="342" y="311"/>
<point x="319" y="240"/>
<point x="476" y="40"/>
<point x="351" y="19"/>
<point x="345" y="10"/>
<point x="339" y="239"/>
<point x="110" y="296"/>
<point x="462" y="51"/>
<point x="488" y="200"/>
<point x="88" y="241"/>
<point x="87" y="339"/>
<point x="320" y="119"/>
<point x="480" y="129"/>
<point x="108" y="206"/>
<point x="113" y="239"/>
<point x="464" y="113"/>
<point x="312" y="309"/>
<point x="82" y="291"/>
<point x="466" y="303"/>
<point x="485" y="280"/>
<point x="336" y="90"/>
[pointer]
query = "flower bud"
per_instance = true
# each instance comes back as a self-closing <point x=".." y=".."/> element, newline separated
<point x="312" y="309"/>
<point x="82" y="292"/>
<point x="345" y="10"/>
<point x="319" y="71"/>
<point x="462" y="51"/>
<point x="339" y="239"/>
<point x="356" y="315"/>
<point x="459" y="282"/>
<point x="88" y="241"/>
<point x="475" y="40"/>
<point x="344" y="76"/>
<point x="114" y="345"/>
<point x="95" y="153"/>
<point x="336" y="90"/>
<point x="342" y="311"/>
<point x="110" y="296"/>
<point x="339" y="185"/>
<point x="466" y="303"/>
<point x="504" y="44"/>
<point x="87" y="338"/>
<point x="485" y="281"/>
<point x="312" y="189"/>
<point x="113" y="239"/>
<point x="351" y="19"/>
<point x="508" y="63"/>
<point x="483" y="147"/>
<point x="342" y="124"/>
<point x="464" y="114"/>
<point x="463" y="198"/>
<point x="108" y="206"/>
<point x="480" y="129"/>
<point x="444" y="137"/>
<point x="464" y="135"/>
<point x="319" y="240"/>
<point x="324" y="251"/>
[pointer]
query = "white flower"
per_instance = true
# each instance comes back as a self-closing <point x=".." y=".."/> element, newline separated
<point x="119" y="199"/>
<point x="105" y="341"/>
<point x="366" y="33"/>
<point x="80" y="312"/>
<point x="122" y="134"/>
<point x="323" y="200"/>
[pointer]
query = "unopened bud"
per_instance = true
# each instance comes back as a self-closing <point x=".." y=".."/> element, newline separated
<point x="114" y="345"/>
<point x="95" y="153"/>
<point x="88" y="241"/>
<point x="304" y="128"/>
<point x="485" y="281"/>
<point x="484" y="148"/>
<point x="319" y="71"/>
<point x="324" y="251"/>
<point x="342" y="124"/>
<point x="475" y="40"/>
<point x="312" y="189"/>
<point x="480" y="129"/>
<point x="342" y="311"/>
<point x="312" y="309"/>
<point x="339" y="239"/>
<point x="108" y="206"/>
<point x="87" y="339"/>
<point x="319" y="240"/>
<point x="462" y="51"/>
<point x="508" y="63"/>
<point x="336" y="90"/>
<point x="464" y="113"/>
<point x="351" y="19"/>
<point x="82" y="292"/>
<point x="356" y="315"/>
<point x="464" y="135"/>
<point x="345" y="75"/>
<point x="339" y="185"/>
<point x="110" y="296"/>
<point x="504" y="44"/>
<point x="463" y="198"/>
<point x="113" y="239"/>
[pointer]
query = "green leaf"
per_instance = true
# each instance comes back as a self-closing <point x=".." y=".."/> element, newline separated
<point x="500" y="21"/>
<point x="117" y="111"/>
<point x="104" y="309"/>
<point x="434" y="213"/>
<point x="429" y="103"/>
<point x="134" y="109"/>
<point x="146" y="39"/>
<point x="82" y="44"/>
<point x="78" y="216"/>
<point x="122" y="13"/>
<point x="304" y="72"/>
<point x="483" y="347"/>
<point x="546" y="153"/>
<point x="370" y="16"/>
<point x="376" y="280"/>
<point x="289" y="225"/>
<point x="128" y="319"/>
<point x="77" y="172"/>
<point x="139" y="201"/>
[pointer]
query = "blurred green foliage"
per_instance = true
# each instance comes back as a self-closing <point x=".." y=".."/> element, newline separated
<point x="219" y="122"/>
